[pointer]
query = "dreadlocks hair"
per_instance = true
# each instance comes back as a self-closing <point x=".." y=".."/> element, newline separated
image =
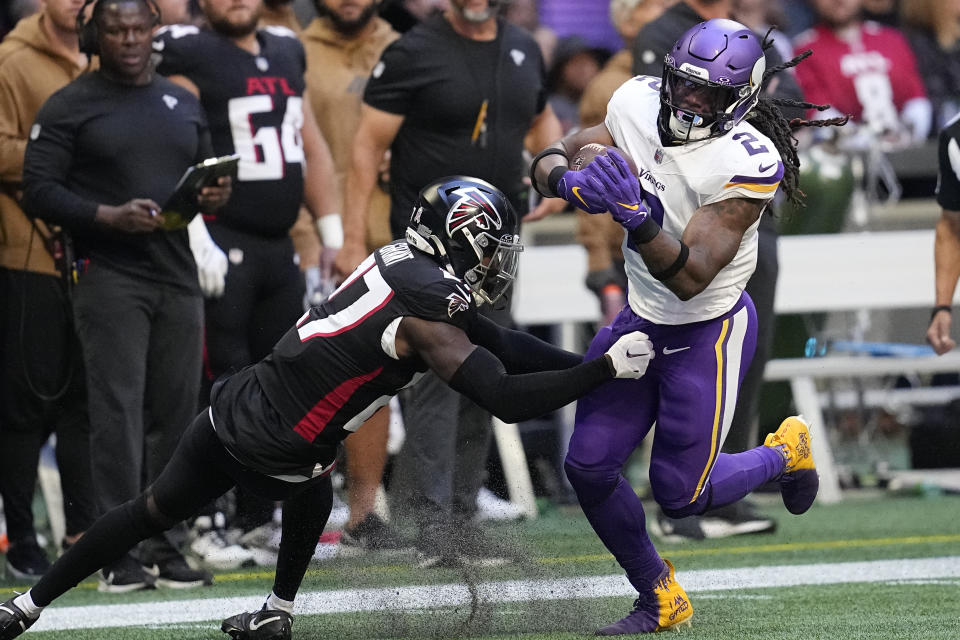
<point x="768" y="119"/>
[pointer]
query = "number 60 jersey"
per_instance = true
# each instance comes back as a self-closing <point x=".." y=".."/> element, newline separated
<point x="678" y="180"/>
<point x="254" y="106"/>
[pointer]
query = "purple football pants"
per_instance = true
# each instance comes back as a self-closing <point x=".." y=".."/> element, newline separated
<point x="690" y="392"/>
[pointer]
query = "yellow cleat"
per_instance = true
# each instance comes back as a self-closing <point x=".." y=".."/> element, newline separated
<point x="666" y="606"/>
<point x="799" y="483"/>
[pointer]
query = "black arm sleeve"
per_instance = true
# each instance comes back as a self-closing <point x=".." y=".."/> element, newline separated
<point x="514" y="398"/>
<point x="518" y="351"/>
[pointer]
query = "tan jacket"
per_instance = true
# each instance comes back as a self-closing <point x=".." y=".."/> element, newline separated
<point x="282" y="16"/>
<point x="601" y="235"/>
<point x="31" y="69"/>
<point x="337" y="73"/>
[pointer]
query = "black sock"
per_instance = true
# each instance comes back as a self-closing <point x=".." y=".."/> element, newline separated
<point x="304" y="516"/>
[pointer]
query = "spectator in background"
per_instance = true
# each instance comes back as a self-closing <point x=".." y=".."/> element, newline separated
<point x="763" y="16"/>
<point x="104" y="151"/>
<point x="526" y="14"/>
<point x="865" y="70"/>
<point x="946" y="249"/>
<point x="575" y="65"/>
<point x="14" y="12"/>
<point x="41" y="376"/>
<point x="650" y="47"/>
<point x="601" y="235"/>
<point x="342" y="45"/>
<point x="279" y="13"/>
<point x="403" y="15"/>
<point x="884" y="11"/>
<point x="251" y="84"/>
<point x="459" y="94"/>
<point x="932" y="28"/>
<point x="175" y="12"/>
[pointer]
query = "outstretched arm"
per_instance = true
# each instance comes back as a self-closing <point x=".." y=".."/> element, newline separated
<point x="479" y="375"/>
<point x="946" y="252"/>
<point x="519" y="351"/>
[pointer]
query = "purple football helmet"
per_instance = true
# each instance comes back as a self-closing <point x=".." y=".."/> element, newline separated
<point x="711" y="81"/>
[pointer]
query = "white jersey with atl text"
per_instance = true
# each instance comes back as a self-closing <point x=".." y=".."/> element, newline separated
<point x="678" y="180"/>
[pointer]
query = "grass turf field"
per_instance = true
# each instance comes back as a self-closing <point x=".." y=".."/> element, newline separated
<point x="871" y="567"/>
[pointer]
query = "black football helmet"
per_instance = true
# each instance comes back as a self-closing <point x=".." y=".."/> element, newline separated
<point x="470" y="228"/>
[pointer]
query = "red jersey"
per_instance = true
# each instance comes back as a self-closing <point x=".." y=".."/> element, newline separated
<point x="870" y="73"/>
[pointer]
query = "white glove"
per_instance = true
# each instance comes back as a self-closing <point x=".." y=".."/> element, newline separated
<point x="631" y="354"/>
<point x="211" y="260"/>
<point x="318" y="287"/>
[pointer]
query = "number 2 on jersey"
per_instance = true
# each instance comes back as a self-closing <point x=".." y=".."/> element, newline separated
<point x="264" y="151"/>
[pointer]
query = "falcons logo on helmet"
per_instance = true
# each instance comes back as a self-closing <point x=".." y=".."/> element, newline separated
<point x="472" y="206"/>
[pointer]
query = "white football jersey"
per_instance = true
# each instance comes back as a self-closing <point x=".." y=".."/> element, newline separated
<point x="744" y="163"/>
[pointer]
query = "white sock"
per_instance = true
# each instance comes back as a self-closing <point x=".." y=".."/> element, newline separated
<point x="273" y="602"/>
<point x="25" y="603"/>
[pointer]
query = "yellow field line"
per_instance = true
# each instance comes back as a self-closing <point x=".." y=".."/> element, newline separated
<point x="267" y="574"/>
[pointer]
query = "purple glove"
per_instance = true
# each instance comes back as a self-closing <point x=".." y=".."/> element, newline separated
<point x="622" y="193"/>
<point x="576" y="188"/>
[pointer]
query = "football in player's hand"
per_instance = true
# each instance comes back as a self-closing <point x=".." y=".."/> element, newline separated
<point x="588" y="152"/>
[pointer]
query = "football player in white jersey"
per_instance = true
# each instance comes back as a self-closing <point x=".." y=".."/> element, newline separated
<point x="710" y="155"/>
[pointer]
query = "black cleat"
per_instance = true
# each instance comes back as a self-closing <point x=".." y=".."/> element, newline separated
<point x="13" y="621"/>
<point x="265" y="624"/>
<point x="26" y="560"/>
<point x="372" y="534"/>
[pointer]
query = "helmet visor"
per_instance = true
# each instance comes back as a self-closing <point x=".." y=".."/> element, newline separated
<point x="695" y="101"/>
<point x="492" y="277"/>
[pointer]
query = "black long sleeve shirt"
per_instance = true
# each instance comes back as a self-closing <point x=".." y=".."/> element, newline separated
<point x="99" y="142"/>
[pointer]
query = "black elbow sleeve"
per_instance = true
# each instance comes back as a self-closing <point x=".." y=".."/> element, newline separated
<point x="514" y="398"/>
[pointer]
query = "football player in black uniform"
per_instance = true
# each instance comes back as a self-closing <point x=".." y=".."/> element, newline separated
<point x="274" y="427"/>
<point x="251" y="84"/>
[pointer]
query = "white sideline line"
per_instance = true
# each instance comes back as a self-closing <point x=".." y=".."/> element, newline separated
<point x="433" y="596"/>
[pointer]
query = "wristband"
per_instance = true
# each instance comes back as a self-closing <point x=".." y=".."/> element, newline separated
<point x="549" y="151"/>
<point x="645" y="231"/>
<point x="331" y="230"/>
<point x="673" y="269"/>
<point x="940" y="307"/>
<point x="555" y="174"/>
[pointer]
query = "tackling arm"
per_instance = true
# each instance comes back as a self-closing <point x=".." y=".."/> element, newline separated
<point x="521" y="352"/>
<point x="479" y="375"/>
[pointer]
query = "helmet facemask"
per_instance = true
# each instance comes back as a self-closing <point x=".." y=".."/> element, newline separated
<point x="711" y="81"/>
<point x="496" y="260"/>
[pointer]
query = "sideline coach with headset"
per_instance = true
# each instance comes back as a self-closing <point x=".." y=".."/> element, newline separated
<point x="103" y="152"/>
